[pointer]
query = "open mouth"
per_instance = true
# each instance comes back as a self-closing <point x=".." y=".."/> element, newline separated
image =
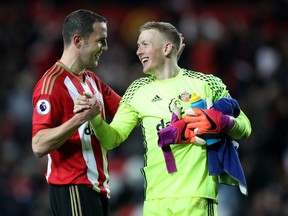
<point x="144" y="60"/>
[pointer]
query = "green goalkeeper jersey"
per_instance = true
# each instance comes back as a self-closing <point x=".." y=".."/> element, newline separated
<point x="150" y="102"/>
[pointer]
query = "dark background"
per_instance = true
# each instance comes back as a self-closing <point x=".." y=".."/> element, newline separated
<point x="243" y="42"/>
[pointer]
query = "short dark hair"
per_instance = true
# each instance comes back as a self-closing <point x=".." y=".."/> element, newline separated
<point x="80" y="22"/>
<point x="166" y="28"/>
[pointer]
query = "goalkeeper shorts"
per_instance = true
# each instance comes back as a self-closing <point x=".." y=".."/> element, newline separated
<point x="180" y="207"/>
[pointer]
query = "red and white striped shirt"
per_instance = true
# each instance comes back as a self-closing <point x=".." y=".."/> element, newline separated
<point x="81" y="159"/>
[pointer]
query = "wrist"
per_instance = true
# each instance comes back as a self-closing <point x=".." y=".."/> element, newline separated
<point x="227" y="123"/>
<point x="96" y="121"/>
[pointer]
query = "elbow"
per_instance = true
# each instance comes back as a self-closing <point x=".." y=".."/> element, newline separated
<point x="38" y="152"/>
<point x="39" y="155"/>
<point x="247" y="131"/>
<point x="240" y="133"/>
<point x="114" y="147"/>
<point x="110" y="147"/>
<point x="246" y="134"/>
<point x="111" y="142"/>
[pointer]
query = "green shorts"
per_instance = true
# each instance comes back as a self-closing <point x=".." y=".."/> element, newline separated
<point x="180" y="207"/>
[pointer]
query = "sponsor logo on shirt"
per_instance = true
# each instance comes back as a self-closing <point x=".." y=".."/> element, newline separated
<point x="162" y="125"/>
<point x="88" y="129"/>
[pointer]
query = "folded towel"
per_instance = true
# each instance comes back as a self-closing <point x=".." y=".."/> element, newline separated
<point x="223" y="158"/>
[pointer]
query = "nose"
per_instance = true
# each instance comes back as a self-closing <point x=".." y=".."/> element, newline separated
<point x="104" y="46"/>
<point x="138" y="51"/>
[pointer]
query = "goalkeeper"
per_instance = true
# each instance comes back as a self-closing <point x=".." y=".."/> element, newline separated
<point x="150" y="101"/>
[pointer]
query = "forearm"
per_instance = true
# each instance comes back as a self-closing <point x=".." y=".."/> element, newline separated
<point x="50" y="139"/>
<point x="107" y="135"/>
<point x="113" y="134"/>
<point x="242" y="128"/>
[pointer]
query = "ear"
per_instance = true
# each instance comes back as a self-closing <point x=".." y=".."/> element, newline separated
<point x="168" y="47"/>
<point x="77" y="40"/>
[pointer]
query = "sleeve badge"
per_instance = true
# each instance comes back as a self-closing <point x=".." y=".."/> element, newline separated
<point x="43" y="107"/>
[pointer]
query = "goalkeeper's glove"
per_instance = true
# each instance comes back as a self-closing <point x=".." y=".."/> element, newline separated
<point x="177" y="132"/>
<point x="208" y="121"/>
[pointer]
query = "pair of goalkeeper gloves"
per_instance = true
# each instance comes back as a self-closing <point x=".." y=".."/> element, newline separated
<point x="196" y="122"/>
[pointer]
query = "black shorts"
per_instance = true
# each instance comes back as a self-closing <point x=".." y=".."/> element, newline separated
<point x="77" y="200"/>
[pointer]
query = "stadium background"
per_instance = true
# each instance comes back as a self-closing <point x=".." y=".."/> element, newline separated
<point x="243" y="42"/>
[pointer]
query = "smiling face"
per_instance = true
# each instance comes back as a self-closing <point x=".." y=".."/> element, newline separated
<point x="151" y="50"/>
<point x="92" y="47"/>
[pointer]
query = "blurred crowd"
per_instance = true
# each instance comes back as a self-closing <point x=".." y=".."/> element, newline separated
<point x="243" y="42"/>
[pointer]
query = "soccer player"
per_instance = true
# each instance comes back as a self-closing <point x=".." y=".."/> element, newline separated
<point x="77" y="171"/>
<point x="150" y="101"/>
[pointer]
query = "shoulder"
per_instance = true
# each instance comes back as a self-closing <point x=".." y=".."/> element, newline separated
<point x="209" y="78"/>
<point x="136" y="86"/>
<point x="143" y="81"/>
<point x="207" y="81"/>
<point x="49" y="80"/>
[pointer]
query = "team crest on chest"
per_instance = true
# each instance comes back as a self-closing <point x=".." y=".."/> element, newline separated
<point x="178" y="102"/>
<point x="185" y="96"/>
<point x="43" y="107"/>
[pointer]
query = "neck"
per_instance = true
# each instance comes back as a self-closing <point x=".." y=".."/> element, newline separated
<point x="167" y="72"/>
<point x="69" y="59"/>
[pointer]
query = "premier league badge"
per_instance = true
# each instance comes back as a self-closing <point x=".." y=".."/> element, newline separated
<point x="43" y="107"/>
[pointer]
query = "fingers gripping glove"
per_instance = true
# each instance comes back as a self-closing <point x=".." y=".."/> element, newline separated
<point x="175" y="133"/>
<point x="208" y="121"/>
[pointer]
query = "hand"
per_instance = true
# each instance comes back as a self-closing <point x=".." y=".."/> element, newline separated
<point x="177" y="132"/>
<point x="88" y="105"/>
<point x="86" y="101"/>
<point x="208" y="121"/>
<point x="82" y="102"/>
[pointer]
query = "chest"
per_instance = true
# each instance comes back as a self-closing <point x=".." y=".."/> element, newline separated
<point x="160" y="100"/>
